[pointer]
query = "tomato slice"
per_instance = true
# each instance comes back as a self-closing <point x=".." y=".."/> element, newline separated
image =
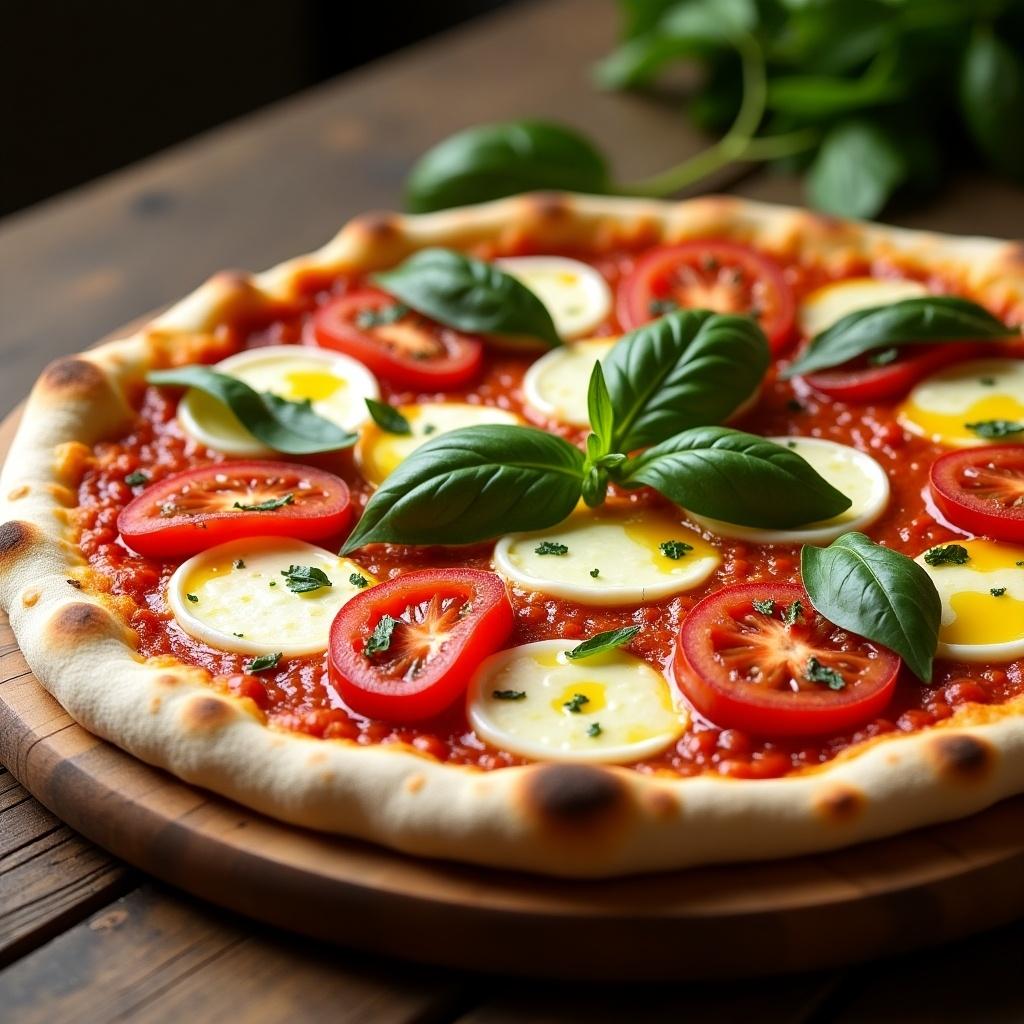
<point x="860" y="381"/>
<point x="720" y="276"/>
<point x="198" y="508"/>
<point x="398" y="345"/>
<point x="747" y="669"/>
<point x="448" y="621"/>
<point x="981" y="490"/>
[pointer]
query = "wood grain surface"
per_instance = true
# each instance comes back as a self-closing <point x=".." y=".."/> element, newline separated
<point x="249" y="194"/>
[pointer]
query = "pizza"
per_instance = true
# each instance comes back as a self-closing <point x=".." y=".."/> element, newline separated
<point x="577" y="535"/>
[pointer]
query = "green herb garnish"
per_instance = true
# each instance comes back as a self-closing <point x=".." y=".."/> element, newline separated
<point x="136" y="479"/>
<point x="947" y="554"/>
<point x="575" y="703"/>
<point x="270" y="505"/>
<point x="792" y="613"/>
<point x="995" y="429"/>
<point x="594" y="729"/>
<point x="303" y="579"/>
<point x="508" y="694"/>
<point x="997" y="591"/>
<point x="815" y="672"/>
<point x="595" y="573"/>
<point x="551" y="547"/>
<point x="674" y="549"/>
<point x="357" y="579"/>
<point x="387" y="417"/>
<point x="193" y="598"/>
<point x="380" y="639"/>
<point x="765" y="606"/>
<point x="606" y="641"/>
<point x="263" y="663"/>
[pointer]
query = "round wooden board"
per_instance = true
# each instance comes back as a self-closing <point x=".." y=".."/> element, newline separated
<point x="923" y="888"/>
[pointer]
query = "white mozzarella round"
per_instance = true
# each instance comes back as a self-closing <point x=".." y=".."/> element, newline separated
<point x="830" y="303"/>
<point x="982" y="602"/>
<point x="626" y="547"/>
<point x="627" y="714"/>
<point x="379" y="453"/>
<point x="235" y="597"/>
<point x="556" y="384"/>
<point x="977" y="391"/>
<point x="853" y="472"/>
<point x="575" y="294"/>
<point x="335" y="384"/>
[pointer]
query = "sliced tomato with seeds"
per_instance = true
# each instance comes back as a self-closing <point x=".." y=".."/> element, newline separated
<point x="758" y="657"/>
<point x="198" y="508"/>
<point x="866" y="380"/>
<point x="981" y="490"/>
<point x="405" y="650"/>
<point x="399" y="345"/>
<point x="721" y="276"/>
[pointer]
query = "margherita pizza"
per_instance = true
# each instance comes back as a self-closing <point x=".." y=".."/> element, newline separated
<point x="582" y="536"/>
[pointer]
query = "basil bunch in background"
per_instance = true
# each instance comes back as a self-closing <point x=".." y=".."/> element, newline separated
<point x="664" y="385"/>
<point x="869" y="97"/>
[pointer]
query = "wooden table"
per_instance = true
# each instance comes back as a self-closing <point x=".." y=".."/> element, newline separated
<point x="83" y="937"/>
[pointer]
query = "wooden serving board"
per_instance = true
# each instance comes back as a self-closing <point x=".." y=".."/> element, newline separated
<point x="927" y="887"/>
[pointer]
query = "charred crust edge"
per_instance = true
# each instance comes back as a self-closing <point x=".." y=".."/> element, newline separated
<point x="73" y="375"/>
<point x="574" y="795"/>
<point x="963" y="758"/>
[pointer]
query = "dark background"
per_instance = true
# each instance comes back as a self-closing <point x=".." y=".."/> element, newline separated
<point x="91" y="85"/>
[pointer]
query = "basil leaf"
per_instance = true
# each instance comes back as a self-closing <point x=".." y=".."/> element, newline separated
<point x="857" y="169"/>
<point x="380" y="639"/>
<point x="387" y="417"/>
<point x="470" y="295"/>
<point x="290" y="427"/>
<point x="473" y="484"/>
<point x="735" y="477"/>
<point x="930" y="319"/>
<point x="879" y="594"/>
<point x="304" y="579"/>
<point x="602" y="415"/>
<point x="263" y="663"/>
<point x="687" y="369"/>
<point x="606" y="641"/>
<point x="494" y="160"/>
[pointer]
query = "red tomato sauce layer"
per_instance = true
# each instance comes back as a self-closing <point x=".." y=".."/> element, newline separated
<point x="298" y="694"/>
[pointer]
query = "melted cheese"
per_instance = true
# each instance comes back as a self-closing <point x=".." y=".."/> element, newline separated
<point x="379" y="453"/>
<point x="335" y="384"/>
<point x="628" y="713"/>
<point x="941" y="406"/>
<point x="247" y="608"/>
<point x="854" y="473"/>
<point x="623" y="545"/>
<point x="978" y="625"/>
<point x="575" y="294"/>
<point x="556" y="384"/>
<point x="830" y="303"/>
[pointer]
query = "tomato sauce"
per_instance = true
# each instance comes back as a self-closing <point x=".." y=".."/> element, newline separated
<point x="298" y="694"/>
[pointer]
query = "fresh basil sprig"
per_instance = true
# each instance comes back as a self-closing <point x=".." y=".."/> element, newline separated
<point x="470" y="295"/>
<point x="473" y="484"/>
<point x="387" y="417"/>
<point x="602" y="642"/>
<point x="736" y="477"/>
<point x="290" y="427"/>
<point x="878" y="593"/>
<point x="687" y="369"/>
<point x="923" y="321"/>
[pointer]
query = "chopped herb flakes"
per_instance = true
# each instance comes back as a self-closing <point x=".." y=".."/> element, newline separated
<point x="267" y="506"/>
<point x="551" y="547"/>
<point x="380" y="639"/>
<point x="357" y="579"/>
<point x="675" y="549"/>
<point x="429" y="428"/>
<point x="136" y="479"/>
<point x="594" y="729"/>
<point x="947" y="554"/>
<point x="302" y="579"/>
<point x="263" y="663"/>
<point x="997" y="591"/>
<point x="575" y="703"/>
<point x="241" y="636"/>
<point x="381" y="316"/>
<point x="765" y="607"/>
<point x="792" y="613"/>
<point x="595" y="573"/>
<point x="994" y="429"/>
<point x="193" y="598"/>
<point x="815" y="672"/>
<point x="508" y="694"/>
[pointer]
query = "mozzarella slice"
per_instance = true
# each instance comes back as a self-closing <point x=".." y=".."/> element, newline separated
<point x="235" y="598"/>
<point x="941" y="406"/>
<point x="857" y="475"/>
<point x="623" y="545"/>
<point x="576" y="295"/>
<point x="556" y="384"/>
<point x="627" y="715"/>
<point x="335" y="384"/>
<point x="379" y="453"/>
<point x="977" y="624"/>
<point x="830" y="303"/>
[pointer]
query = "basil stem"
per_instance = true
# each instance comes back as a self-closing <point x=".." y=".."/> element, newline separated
<point x="290" y="427"/>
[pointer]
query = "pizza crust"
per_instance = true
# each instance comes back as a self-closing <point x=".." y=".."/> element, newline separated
<point x="557" y="819"/>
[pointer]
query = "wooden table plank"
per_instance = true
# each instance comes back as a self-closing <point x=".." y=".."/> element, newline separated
<point x="50" y="878"/>
<point x="154" y="957"/>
